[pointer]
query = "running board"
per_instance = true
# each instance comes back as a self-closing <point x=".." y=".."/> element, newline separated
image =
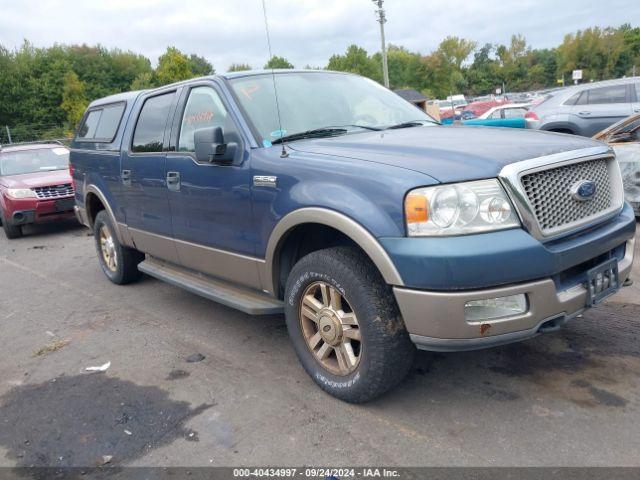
<point x="243" y="299"/>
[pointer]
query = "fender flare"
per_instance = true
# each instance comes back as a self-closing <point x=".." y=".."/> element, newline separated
<point x="352" y="229"/>
<point x="103" y="199"/>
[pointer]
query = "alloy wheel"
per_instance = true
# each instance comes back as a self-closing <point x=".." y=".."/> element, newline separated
<point x="330" y="328"/>
<point x="108" y="249"/>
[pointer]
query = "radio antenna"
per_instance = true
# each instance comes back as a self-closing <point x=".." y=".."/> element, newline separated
<point x="273" y="76"/>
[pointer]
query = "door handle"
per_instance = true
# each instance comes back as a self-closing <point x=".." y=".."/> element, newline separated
<point x="126" y="177"/>
<point x="584" y="114"/>
<point x="173" y="181"/>
<point x="636" y="110"/>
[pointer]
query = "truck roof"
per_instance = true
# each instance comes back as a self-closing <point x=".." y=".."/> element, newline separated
<point x="118" y="97"/>
<point x="249" y="73"/>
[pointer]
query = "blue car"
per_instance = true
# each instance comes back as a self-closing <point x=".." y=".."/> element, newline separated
<point x="373" y="229"/>
<point x="505" y="116"/>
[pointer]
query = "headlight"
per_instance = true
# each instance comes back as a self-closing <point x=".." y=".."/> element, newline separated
<point x="21" y="193"/>
<point x="459" y="209"/>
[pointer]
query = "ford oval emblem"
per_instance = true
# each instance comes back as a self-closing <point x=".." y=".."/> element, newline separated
<point x="584" y="190"/>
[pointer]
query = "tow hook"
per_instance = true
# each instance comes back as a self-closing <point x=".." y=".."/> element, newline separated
<point x="627" y="283"/>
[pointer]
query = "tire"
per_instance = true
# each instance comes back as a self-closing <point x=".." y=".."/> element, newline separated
<point x="11" y="231"/>
<point x="383" y="355"/>
<point x="123" y="268"/>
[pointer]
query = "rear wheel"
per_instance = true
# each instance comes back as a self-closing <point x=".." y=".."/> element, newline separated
<point x="119" y="263"/>
<point x="345" y="325"/>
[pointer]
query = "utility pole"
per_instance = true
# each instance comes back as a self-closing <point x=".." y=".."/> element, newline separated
<point x="382" y="19"/>
<point x="8" y="133"/>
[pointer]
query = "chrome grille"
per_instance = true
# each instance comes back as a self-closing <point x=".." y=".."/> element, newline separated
<point x="550" y="198"/>
<point x="54" y="191"/>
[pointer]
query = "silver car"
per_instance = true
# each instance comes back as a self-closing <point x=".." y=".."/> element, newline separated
<point x="586" y="109"/>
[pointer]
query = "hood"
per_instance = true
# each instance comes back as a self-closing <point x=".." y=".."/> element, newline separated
<point x="37" y="179"/>
<point x="448" y="154"/>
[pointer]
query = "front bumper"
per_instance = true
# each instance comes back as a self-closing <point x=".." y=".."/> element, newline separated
<point x="436" y="320"/>
<point x="24" y="211"/>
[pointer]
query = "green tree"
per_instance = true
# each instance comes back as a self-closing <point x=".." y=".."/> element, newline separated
<point x="173" y="66"/>
<point x="200" y="66"/>
<point x="445" y="66"/>
<point x="239" y="67"/>
<point x="406" y="69"/>
<point x="74" y="100"/>
<point x="277" y="62"/>
<point x="596" y="51"/>
<point x="356" y="60"/>
<point x="454" y="51"/>
<point x="482" y="73"/>
<point x="143" y="81"/>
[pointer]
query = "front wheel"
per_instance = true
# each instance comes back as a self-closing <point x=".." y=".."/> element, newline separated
<point x="345" y="325"/>
<point x="119" y="263"/>
<point x="11" y="231"/>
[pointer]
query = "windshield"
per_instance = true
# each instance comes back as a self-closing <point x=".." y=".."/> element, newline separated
<point x="36" y="160"/>
<point x="310" y="101"/>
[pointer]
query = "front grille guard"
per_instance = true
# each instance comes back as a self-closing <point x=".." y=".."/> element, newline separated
<point x="510" y="177"/>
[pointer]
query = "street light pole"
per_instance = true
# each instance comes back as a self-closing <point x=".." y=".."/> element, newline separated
<point x="382" y="19"/>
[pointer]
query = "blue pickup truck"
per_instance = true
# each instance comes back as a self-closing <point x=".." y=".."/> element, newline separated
<point x="372" y="228"/>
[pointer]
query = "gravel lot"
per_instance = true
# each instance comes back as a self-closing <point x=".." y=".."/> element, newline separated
<point x="569" y="398"/>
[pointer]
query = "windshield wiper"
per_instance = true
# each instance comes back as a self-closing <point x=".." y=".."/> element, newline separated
<point x="411" y="123"/>
<point x="315" y="133"/>
<point x="366" y="127"/>
<point x="321" y="132"/>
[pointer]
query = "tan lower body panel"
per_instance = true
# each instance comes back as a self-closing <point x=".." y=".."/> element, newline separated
<point x="439" y="317"/>
<point x="225" y="265"/>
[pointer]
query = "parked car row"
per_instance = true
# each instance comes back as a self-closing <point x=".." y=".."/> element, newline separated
<point x="583" y="109"/>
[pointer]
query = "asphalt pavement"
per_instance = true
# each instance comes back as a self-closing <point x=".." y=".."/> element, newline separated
<point x="569" y="398"/>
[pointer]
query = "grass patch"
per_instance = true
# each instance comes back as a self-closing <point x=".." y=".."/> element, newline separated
<point x="51" y="347"/>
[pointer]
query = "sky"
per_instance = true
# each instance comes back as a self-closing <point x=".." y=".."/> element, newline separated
<point x="306" y="32"/>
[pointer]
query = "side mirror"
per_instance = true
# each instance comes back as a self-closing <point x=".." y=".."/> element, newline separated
<point x="210" y="146"/>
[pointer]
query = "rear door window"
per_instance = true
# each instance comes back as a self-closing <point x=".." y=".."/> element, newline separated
<point x="608" y="95"/>
<point x="149" y="133"/>
<point x="574" y="99"/>
<point x="583" y="99"/>
<point x="101" y="124"/>
<point x="88" y="128"/>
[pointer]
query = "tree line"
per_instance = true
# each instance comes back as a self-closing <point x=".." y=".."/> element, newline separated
<point x="44" y="91"/>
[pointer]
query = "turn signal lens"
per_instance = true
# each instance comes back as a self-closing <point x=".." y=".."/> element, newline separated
<point x="416" y="208"/>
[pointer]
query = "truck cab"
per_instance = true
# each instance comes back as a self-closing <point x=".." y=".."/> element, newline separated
<point x="375" y="230"/>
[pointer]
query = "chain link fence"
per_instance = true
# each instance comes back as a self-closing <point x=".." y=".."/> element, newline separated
<point x="34" y="132"/>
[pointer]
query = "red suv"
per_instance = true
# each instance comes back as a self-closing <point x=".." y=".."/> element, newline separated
<point x="35" y="185"/>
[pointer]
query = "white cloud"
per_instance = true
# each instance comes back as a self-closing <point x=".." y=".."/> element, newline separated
<point x="303" y="31"/>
